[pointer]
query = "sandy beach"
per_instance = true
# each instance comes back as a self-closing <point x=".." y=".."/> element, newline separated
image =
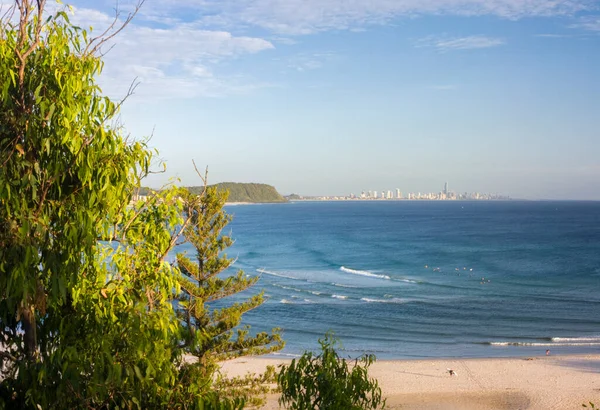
<point x="548" y="382"/>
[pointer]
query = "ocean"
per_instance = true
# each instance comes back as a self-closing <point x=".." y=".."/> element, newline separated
<point x="419" y="279"/>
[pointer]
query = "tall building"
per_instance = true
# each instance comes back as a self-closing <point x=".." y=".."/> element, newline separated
<point x="398" y="193"/>
<point x="446" y="188"/>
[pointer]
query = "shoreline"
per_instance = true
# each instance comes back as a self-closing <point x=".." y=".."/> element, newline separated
<point x="534" y="382"/>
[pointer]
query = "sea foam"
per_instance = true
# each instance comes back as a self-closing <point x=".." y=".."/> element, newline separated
<point x="280" y="275"/>
<point x="363" y="273"/>
<point x="341" y="285"/>
<point x="339" y="296"/>
<point x="542" y="344"/>
<point x="392" y="300"/>
<point x="576" y="339"/>
<point x="556" y="341"/>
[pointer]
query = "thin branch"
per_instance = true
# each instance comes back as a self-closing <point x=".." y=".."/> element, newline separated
<point x="104" y="37"/>
<point x="203" y="178"/>
<point x="6" y="18"/>
<point x="175" y="237"/>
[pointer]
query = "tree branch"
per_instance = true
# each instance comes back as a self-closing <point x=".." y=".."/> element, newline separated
<point x="97" y="42"/>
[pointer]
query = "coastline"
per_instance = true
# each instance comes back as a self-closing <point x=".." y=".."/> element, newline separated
<point x="546" y="382"/>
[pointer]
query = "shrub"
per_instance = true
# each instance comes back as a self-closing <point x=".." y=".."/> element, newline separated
<point x="325" y="381"/>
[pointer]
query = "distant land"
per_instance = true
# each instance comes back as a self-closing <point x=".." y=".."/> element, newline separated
<point x="239" y="192"/>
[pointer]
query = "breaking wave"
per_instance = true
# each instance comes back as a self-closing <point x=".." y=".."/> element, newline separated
<point x="341" y="285"/>
<point x="542" y="344"/>
<point x="339" y="296"/>
<point x="280" y="275"/>
<point x="364" y="273"/>
<point x="555" y="341"/>
<point x="296" y="302"/>
<point x="576" y="339"/>
<point x="392" y="300"/>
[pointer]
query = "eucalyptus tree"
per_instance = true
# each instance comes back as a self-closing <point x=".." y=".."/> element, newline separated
<point x="86" y="287"/>
<point x="73" y="330"/>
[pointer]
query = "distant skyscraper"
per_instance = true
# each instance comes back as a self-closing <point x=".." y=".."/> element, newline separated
<point x="398" y="193"/>
<point x="446" y="188"/>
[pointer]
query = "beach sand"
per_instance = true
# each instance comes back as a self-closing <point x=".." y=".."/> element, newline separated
<point x="548" y="382"/>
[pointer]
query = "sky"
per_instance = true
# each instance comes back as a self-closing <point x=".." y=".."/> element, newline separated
<point x="331" y="97"/>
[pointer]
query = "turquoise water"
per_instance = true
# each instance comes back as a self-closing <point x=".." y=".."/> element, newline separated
<point x="426" y="279"/>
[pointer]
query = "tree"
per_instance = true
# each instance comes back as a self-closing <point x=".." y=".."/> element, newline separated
<point x="325" y="381"/>
<point x="66" y="179"/>
<point x="86" y="290"/>
<point x="213" y="333"/>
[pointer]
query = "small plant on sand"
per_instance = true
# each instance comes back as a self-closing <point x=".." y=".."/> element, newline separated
<point x="325" y="381"/>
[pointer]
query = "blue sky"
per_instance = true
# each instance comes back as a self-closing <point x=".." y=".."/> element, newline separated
<point x="338" y="96"/>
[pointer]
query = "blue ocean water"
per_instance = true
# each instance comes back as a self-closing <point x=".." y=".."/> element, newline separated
<point x="407" y="279"/>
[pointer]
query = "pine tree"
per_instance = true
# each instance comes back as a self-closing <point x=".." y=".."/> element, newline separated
<point x="214" y="334"/>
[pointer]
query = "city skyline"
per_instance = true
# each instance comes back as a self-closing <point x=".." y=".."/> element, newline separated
<point x="397" y="194"/>
<point x="332" y="96"/>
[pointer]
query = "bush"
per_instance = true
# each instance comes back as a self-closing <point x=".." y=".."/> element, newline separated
<point x="325" y="381"/>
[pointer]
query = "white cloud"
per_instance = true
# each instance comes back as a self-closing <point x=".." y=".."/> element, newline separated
<point x="444" y="44"/>
<point x="591" y="23"/>
<point x="296" y="17"/>
<point x="171" y="62"/>
<point x="309" y="61"/>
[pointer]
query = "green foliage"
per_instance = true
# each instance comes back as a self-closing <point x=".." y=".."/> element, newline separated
<point x="66" y="179"/>
<point x="212" y="334"/>
<point x="86" y="292"/>
<point x="245" y="192"/>
<point x="325" y="381"/>
<point x="591" y="405"/>
<point x="86" y="315"/>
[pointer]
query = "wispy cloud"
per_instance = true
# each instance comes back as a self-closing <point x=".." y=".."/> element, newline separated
<point x="444" y="44"/>
<point x="177" y="61"/>
<point x="309" y="61"/>
<point x="297" y="17"/>
<point x="591" y="23"/>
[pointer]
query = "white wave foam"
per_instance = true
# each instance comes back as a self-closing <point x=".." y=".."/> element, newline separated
<point x="364" y="273"/>
<point x="407" y="280"/>
<point x="339" y="296"/>
<point x="544" y="344"/>
<point x="296" y="301"/>
<point x="576" y="339"/>
<point x="392" y="300"/>
<point x="314" y="292"/>
<point x="285" y="354"/>
<point x="280" y="275"/>
<point x="341" y="285"/>
<point x="289" y="288"/>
